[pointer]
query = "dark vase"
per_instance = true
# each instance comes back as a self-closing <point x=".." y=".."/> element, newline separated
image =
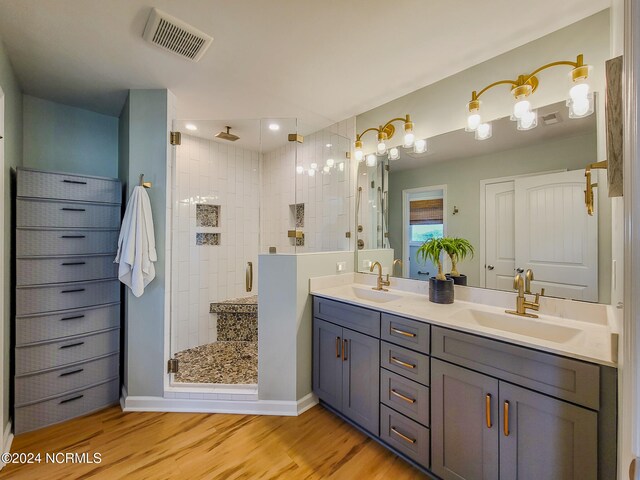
<point x="461" y="280"/>
<point x="441" y="291"/>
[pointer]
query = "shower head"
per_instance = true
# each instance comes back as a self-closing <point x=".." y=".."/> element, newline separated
<point x="227" y="135"/>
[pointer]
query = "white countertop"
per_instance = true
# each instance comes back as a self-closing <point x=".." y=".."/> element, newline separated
<point x="587" y="328"/>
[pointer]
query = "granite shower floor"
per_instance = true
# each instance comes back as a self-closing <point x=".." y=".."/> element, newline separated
<point x="219" y="362"/>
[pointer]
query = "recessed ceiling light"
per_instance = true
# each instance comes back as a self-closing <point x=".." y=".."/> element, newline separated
<point x="190" y="126"/>
<point x="274" y="126"/>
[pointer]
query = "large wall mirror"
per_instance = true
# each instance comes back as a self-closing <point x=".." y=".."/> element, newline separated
<point x="518" y="199"/>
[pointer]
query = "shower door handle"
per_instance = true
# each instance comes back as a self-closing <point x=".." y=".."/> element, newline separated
<point x="249" y="276"/>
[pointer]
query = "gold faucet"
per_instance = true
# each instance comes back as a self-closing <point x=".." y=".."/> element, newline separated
<point x="522" y="304"/>
<point x="381" y="283"/>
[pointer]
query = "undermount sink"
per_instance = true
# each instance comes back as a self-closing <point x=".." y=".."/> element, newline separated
<point x="529" y="327"/>
<point x="377" y="296"/>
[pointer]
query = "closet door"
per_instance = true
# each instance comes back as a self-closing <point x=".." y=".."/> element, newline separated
<point x="554" y="235"/>
<point x="500" y="261"/>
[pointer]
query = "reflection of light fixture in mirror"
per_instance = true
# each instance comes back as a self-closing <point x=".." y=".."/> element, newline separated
<point x="326" y="169"/>
<point x="420" y="146"/>
<point x="330" y="162"/>
<point x="384" y="134"/>
<point x="341" y="166"/>
<point x="300" y="169"/>
<point x="483" y="131"/>
<point x="371" y="160"/>
<point x="190" y="126"/>
<point x="311" y="172"/>
<point x="329" y="145"/>
<point x="580" y="100"/>
<point x="274" y="127"/>
<point x="313" y="166"/>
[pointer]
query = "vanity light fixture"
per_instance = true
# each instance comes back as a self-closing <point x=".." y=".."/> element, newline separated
<point x="384" y="134"/>
<point x="580" y="100"/>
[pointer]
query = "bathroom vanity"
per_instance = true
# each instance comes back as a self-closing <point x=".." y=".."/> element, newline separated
<point x="461" y="393"/>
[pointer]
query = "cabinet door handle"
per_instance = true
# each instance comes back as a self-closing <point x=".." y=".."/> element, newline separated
<point x="488" y="409"/>
<point x="71" y="345"/>
<point x="73" y="236"/>
<point x="403" y="437"/>
<point x="402" y="364"/>
<point x="506" y="419"/>
<point x="74" y="181"/>
<point x="249" y="277"/>
<point x="67" y="209"/>
<point x="402" y="332"/>
<point x="345" y="345"/>
<point x="72" y="372"/>
<point x="338" y="343"/>
<point x="77" y="397"/>
<point x="75" y="290"/>
<point x="403" y="397"/>
<point x="76" y="317"/>
<point x="65" y="264"/>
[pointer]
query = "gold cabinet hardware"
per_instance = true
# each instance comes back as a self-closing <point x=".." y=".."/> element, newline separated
<point x="338" y="343"/>
<point x="249" y="277"/>
<point x="403" y="437"/>
<point x="488" y="409"/>
<point x="403" y="397"/>
<point x="402" y="332"/>
<point x="506" y="418"/>
<point x="345" y="344"/>
<point x="295" y="234"/>
<point x="401" y="363"/>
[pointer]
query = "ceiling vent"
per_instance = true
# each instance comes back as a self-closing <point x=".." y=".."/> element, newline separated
<point x="176" y="36"/>
<point x="551" y="118"/>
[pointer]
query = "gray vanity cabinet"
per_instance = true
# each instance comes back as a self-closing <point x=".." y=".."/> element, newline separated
<point x="484" y="428"/>
<point x="346" y="372"/>
<point x="464" y="423"/>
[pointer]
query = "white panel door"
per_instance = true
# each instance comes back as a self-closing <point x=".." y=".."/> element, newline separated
<point x="555" y="237"/>
<point x="500" y="235"/>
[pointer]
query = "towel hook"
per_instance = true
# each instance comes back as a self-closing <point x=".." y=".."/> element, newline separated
<point x="143" y="183"/>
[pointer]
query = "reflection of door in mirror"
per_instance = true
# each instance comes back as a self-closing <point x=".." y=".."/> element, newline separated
<point x="526" y="229"/>
<point x="423" y="219"/>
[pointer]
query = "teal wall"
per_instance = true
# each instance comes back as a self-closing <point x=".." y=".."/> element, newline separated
<point x="12" y="158"/>
<point x="144" y="139"/>
<point x="68" y="139"/>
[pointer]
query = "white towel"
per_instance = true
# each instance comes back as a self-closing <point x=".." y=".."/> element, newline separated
<point x="136" y="244"/>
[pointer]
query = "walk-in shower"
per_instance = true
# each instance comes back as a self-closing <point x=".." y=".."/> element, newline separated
<point x="272" y="189"/>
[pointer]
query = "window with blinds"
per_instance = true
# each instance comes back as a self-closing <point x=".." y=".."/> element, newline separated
<point x="426" y="212"/>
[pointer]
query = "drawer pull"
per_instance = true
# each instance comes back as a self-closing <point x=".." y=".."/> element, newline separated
<point x="71" y="318"/>
<point x="345" y="345"/>
<point x="487" y="404"/>
<point x="75" y="182"/>
<point x="67" y="209"/>
<point x="402" y="364"/>
<point x="73" y="236"/>
<point x="338" y="343"/>
<point x="75" y="290"/>
<point x="73" y="263"/>
<point x="506" y="419"/>
<point x="402" y="332"/>
<point x="403" y="437"/>
<point x="72" y="372"/>
<point x="403" y="397"/>
<point x="77" y="397"/>
<point x="71" y="345"/>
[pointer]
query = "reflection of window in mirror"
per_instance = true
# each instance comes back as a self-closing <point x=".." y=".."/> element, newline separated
<point x="424" y="220"/>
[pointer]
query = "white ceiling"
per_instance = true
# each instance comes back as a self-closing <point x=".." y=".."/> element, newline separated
<point x="461" y="144"/>
<point x="318" y="61"/>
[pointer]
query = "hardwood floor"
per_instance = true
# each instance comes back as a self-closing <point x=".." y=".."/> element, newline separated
<point x="149" y="445"/>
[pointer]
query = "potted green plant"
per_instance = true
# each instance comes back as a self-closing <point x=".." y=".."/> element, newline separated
<point x="440" y="287"/>
<point x="458" y="249"/>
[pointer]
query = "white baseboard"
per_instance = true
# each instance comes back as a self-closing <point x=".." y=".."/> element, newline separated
<point x="7" y="439"/>
<point x="190" y="405"/>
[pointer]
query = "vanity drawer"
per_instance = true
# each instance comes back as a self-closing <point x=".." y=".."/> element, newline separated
<point x="405" y="396"/>
<point x="40" y="271"/>
<point x="356" y="318"/>
<point x="48" y="213"/>
<point x="39" y="328"/>
<point x="409" y="364"/>
<point x="561" y="377"/>
<point x="34" y="358"/>
<point x="67" y="187"/>
<point x="67" y="406"/>
<point x="405" y="332"/>
<point x="31" y="242"/>
<point x="33" y="388"/>
<point x="66" y="296"/>
<point x="405" y="435"/>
